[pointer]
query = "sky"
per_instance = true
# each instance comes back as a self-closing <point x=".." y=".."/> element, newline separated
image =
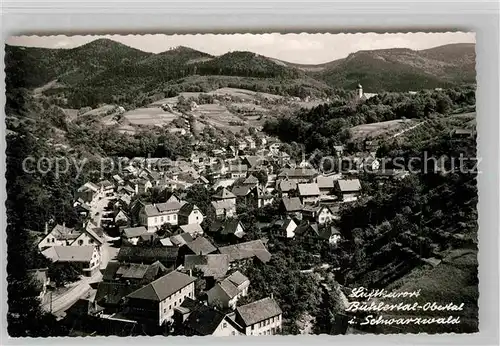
<point x="296" y="48"/>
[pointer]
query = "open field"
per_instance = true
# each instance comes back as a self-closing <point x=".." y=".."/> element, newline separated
<point x="468" y="116"/>
<point x="310" y="104"/>
<point x="244" y="94"/>
<point x="100" y="111"/>
<point x="50" y="85"/>
<point x="152" y="116"/>
<point x="217" y="116"/>
<point x="249" y="107"/>
<point x="470" y="119"/>
<point x="381" y="128"/>
<point x="175" y="99"/>
<point x="454" y="280"/>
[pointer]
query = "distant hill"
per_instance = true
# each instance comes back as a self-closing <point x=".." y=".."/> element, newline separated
<point x="248" y="64"/>
<point x="399" y="69"/>
<point x="106" y="71"/>
<point x="33" y="67"/>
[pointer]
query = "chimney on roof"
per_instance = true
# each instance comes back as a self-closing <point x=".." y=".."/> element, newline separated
<point x="272" y="296"/>
<point x="46" y="228"/>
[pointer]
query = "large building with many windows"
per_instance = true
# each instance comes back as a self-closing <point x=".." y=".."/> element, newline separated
<point x="156" y="301"/>
<point x="262" y="317"/>
<point x="152" y="216"/>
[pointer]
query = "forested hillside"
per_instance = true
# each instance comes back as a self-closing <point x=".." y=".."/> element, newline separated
<point x="104" y="71"/>
<point x="328" y="125"/>
<point x="401" y="69"/>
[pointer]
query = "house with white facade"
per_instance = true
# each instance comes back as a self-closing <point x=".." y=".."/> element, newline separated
<point x="190" y="214"/>
<point x="203" y="320"/>
<point x="223" y="209"/>
<point x="348" y="190"/>
<point x="152" y="216"/>
<point x="285" y="228"/>
<point x="238" y="171"/>
<point x="88" y="237"/>
<point x="86" y="257"/>
<point x="325" y="215"/>
<point x="309" y="193"/>
<point x="262" y="317"/>
<point x="59" y="236"/>
<point x="155" y="302"/>
<point x="133" y="234"/>
<point x="89" y="192"/>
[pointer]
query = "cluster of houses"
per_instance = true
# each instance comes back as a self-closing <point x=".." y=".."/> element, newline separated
<point x="172" y="267"/>
<point x="195" y="287"/>
<point x="81" y="247"/>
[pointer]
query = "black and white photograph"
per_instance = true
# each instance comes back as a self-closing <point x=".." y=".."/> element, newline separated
<point x="241" y="184"/>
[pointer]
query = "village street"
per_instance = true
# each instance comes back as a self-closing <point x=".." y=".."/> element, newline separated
<point x="61" y="299"/>
<point x="97" y="210"/>
<point x="108" y="252"/>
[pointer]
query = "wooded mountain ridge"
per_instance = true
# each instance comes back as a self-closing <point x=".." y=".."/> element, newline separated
<point x="116" y="69"/>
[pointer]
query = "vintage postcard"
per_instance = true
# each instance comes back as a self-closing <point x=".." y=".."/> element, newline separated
<point x="241" y="184"/>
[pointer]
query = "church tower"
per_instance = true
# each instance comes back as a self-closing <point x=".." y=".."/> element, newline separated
<point x="359" y="91"/>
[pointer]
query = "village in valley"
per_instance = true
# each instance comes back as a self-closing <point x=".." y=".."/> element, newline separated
<point x="138" y="260"/>
<point x="246" y="212"/>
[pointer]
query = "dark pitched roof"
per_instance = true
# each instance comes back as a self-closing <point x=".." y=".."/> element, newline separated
<point x="307" y="228"/>
<point x="201" y="246"/>
<point x="163" y="287"/>
<point x="111" y="292"/>
<point x="327" y="232"/>
<point x="136" y="254"/>
<point x="229" y="288"/>
<point x="187" y="208"/>
<point x="237" y="278"/>
<point x="148" y="237"/>
<point x="254" y="248"/>
<point x="61" y="232"/>
<point x="133" y="232"/>
<point x="143" y="272"/>
<point x="230" y="226"/>
<point x="251" y="180"/>
<point x="204" y="320"/>
<point x="94" y="233"/>
<point x="241" y="191"/>
<point x="292" y="204"/>
<point x="216" y="226"/>
<point x="223" y="194"/>
<point x="258" y="311"/>
<point x="215" y="265"/>
<point x="181" y="239"/>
